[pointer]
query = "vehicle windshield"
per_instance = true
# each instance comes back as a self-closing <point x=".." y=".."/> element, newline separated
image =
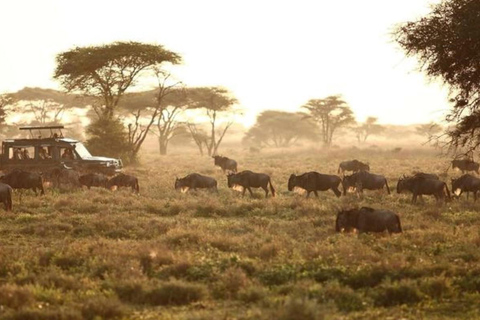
<point x="82" y="151"/>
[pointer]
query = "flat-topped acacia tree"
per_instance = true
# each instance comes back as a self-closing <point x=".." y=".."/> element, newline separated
<point x="107" y="71"/>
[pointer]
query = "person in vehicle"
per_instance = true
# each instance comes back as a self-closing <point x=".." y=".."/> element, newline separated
<point x="68" y="154"/>
<point x="42" y="153"/>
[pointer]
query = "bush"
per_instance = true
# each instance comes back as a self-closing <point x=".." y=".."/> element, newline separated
<point x="397" y="293"/>
<point x="15" y="297"/>
<point x="175" y="292"/>
<point x="39" y="314"/>
<point x="300" y="309"/>
<point x="108" y="138"/>
<point x="103" y="308"/>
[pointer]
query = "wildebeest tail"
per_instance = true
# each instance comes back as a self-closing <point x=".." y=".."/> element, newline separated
<point x="447" y="192"/>
<point x="399" y="224"/>
<point x="388" y="188"/>
<point x="137" y="186"/>
<point x="41" y="184"/>
<point x="271" y="187"/>
<point x="8" y="205"/>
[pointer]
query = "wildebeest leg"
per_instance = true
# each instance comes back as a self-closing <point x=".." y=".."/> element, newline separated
<point x="308" y="194"/>
<point x="316" y="193"/>
<point x="250" y="190"/>
<point x="474" y="196"/>
<point x="336" y="191"/>
<point x="243" y="191"/>
<point x="266" y="191"/>
<point x="414" y="198"/>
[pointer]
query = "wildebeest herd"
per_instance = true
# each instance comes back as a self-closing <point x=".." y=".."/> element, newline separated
<point x="364" y="219"/>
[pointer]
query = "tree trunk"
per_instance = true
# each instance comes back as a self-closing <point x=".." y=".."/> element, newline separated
<point x="163" y="145"/>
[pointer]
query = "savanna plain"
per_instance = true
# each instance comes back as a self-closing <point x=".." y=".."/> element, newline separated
<point x="163" y="254"/>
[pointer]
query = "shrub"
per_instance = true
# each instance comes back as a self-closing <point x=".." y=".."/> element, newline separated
<point x="15" y="297"/>
<point x="103" y="308"/>
<point x="175" y="292"/>
<point x="300" y="308"/>
<point x="39" y="314"/>
<point x="231" y="282"/>
<point x="397" y="293"/>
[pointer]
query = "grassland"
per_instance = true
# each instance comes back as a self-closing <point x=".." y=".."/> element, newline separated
<point x="97" y="254"/>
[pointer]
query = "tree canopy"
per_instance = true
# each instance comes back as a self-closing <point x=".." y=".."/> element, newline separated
<point x="280" y="129"/>
<point x="447" y="44"/>
<point x="107" y="71"/>
<point x="368" y="128"/>
<point x="330" y="113"/>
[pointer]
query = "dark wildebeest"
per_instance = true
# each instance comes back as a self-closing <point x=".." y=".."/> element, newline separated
<point x="364" y="180"/>
<point x="422" y="185"/>
<point x="353" y="165"/>
<point x="124" y="180"/>
<point x="466" y="183"/>
<point x="93" y="180"/>
<point x="194" y="181"/>
<point x="314" y="181"/>
<point x="19" y="179"/>
<point x="368" y="220"/>
<point x="63" y="176"/>
<point x="225" y="163"/>
<point x="6" y="196"/>
<point x="465" y="165"/>
<point x="248" y="179"/>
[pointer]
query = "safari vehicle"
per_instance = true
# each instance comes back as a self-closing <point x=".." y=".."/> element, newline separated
<point x="47" y="148"/>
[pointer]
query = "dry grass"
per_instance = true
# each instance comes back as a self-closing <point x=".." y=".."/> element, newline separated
<point x="116" y="255"/>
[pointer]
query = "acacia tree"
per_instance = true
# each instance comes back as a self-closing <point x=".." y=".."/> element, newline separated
<point x="5" y="101"/>
<point x="280" y="129"/>
<point x="108" y="71"/>
<point x="217" y="102"/>
<point x="330" y="113"/>
<point x="447" y="44"/>
<point x="150" y="108"/>
<point x="368" y="128"/>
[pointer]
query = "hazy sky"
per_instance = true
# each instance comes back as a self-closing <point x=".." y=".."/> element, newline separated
<point x="270" y="54"/>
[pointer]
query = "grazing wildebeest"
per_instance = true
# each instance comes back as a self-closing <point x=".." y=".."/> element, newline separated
<point x="248" y="179"/>
<point x="466" y="183"/>
<point x="19" y="179"/>
<point x="422" y="185"/>
<point x="465" y="165"/>
<point x="93" y="180"/>
<point x="314" y="181"/>
<point x="353" y="165"/>
<point x="194" y="181"/>
<point x="63" y="176"/>
<point x="124" y="180"/>
<point x="364" y="180"/>
<point x="6" y="196"/>
<point x="225" y="163"/>
<point x="368" y="220"/>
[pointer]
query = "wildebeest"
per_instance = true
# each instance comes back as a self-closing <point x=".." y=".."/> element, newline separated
<point x="6" y="196"/>
<point x="124" y="180"/>
<point x="314" y="181"/>
<point x="63" y="176"/>
<point x="195" y="181"/>
<point x="353" y="165"/>
<point x="248" y="179"/>
<point x="465" y="165"/>
<point x="368" y="220"/>
<point x="19" y="179"/>
<point x="364" y="180"/>
<point x="423" y="185"/>
<point x="93" y="180"/>
<point x="466" y="183"/>
<point x="225" y="163"/>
